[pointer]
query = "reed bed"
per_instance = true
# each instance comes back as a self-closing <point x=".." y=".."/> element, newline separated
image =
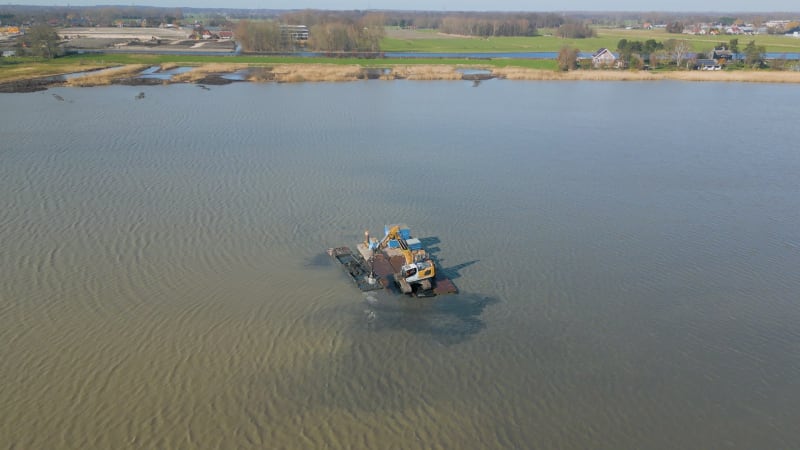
<point x="424" y="72"/>
<point x="201" y="72"/>
<point x="737" y="77"/>
<point x="106" y="77"/>
<point x="516" y="73"/>
<point x="168" y="66"/>
<point x="297" y="73"/>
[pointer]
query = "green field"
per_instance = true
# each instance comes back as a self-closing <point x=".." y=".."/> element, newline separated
<point x="427" y="41"/>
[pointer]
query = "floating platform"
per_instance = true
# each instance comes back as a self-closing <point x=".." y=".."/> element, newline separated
<point x="357" y="269"/>
<point x="383" y="265"/>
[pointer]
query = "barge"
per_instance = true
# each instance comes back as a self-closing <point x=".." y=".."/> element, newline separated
<point x="397" y="261"/>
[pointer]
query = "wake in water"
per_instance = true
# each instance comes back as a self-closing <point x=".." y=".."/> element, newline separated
<point x="449" y="319"/>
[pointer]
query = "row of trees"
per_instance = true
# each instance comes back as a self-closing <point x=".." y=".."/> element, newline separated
<point x="260" y="36"/>
<point x="88" y="16"/>
<point x="487" y="27"/>
<point x="41" y="41"/>
<point x="361" y="35"/>
<point x="574" y="30"/>
<point x="635" y="54"/>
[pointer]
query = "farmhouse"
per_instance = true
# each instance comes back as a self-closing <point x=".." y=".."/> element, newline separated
<point x="603" y="58"/>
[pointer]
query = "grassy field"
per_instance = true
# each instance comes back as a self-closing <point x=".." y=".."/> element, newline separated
<point x="426" y="41"/>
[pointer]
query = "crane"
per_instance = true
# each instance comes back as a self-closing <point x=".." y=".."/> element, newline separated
<point x="418" y="269"/>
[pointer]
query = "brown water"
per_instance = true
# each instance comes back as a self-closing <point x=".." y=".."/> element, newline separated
<point x="627" y="255"/>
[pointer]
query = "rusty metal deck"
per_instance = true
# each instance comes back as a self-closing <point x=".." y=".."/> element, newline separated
<point x="386" y="263"/>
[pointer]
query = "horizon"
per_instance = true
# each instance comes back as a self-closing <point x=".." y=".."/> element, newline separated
<point x="548" y="6"/>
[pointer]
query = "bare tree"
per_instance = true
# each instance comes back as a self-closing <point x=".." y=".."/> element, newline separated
<point x="677" y="49"/>
<point x="568" y="58"/>
<point x="658" y="58"/>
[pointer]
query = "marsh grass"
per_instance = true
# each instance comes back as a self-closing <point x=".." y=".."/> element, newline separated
<point x="516" y="73"/>
<point x="295" y="73"/>
<point x="203" y="71"/>
<point x="425" y="72"/>
<point x="106" y="77"/>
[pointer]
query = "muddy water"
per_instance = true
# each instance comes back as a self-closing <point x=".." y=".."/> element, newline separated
<point x="627" y="255"/>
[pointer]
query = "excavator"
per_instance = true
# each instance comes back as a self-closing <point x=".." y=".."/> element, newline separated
<point x="418" y="270"/>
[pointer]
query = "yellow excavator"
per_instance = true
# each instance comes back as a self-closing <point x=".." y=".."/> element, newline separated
<point x="418" y="269"/>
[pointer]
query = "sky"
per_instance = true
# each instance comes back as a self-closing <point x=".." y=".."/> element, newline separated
<point x="457" y="5"/>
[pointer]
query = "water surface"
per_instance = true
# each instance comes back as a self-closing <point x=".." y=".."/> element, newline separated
<point x="627" y="255"/>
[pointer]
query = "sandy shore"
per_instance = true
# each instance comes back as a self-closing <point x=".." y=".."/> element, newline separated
<point x="296" y="73"/>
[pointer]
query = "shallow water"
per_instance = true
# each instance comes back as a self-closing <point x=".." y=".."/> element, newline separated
<point x="627" y="255"/>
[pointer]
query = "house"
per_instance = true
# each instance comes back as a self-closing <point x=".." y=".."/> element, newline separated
<point x="225" y="34"/>
<point x="722" y="53"/>
<point x="707" y="64"/>
<point x="603" y="58"/>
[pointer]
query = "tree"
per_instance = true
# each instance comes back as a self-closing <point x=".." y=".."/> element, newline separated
<point x="636" y="62"/>
<point x="754" y="54"/>
<point x="734" y="45"/>
<point x="726" y="21"/>
<point x="259" y="36"/>
<point x="677" y="49"/>
<point x="652" y="45"/>
<point x="675" y="27"/>
<point x="574" y="30"/>
<point x="41" y="40"/>
<point x="371" y="32"/>
<point x="567" y="58"/>
<point x="658" y="58"/>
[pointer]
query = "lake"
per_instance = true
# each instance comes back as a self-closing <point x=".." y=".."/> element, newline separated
<point x="626" y="253"/>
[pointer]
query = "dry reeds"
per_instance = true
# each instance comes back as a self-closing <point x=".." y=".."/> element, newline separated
<point x="736" y="77"/>
<point x="516" y="73"/>
<point x="424" y="72"/>
<point x="296" y="73"/>
<point x="168" y="66"/>
<point x="106" y="77"/>
<point x="201" y="72"/>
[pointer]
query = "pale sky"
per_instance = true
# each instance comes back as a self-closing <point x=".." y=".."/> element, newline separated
<point x="458" y="5"/>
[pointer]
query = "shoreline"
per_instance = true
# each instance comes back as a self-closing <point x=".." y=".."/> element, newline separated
<point x="214" y="73"/>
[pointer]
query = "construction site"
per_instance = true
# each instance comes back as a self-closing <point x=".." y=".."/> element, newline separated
<point x="398" y="261"/>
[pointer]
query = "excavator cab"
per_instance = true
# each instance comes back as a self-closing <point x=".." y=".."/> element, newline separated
<point x="419" y="271"/>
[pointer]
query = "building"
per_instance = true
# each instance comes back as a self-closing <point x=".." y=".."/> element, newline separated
<point x="603" y="58"/>
<point x="707" y="64"/>
<point x="294" y="33"/>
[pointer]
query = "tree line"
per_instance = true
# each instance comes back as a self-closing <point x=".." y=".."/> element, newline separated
<point x="473" y="26"/>
<point x="672" y="52"/>
<point x="332" y="34"/>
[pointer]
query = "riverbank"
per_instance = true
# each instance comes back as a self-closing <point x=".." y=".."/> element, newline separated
<point x="220" y="73"/>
